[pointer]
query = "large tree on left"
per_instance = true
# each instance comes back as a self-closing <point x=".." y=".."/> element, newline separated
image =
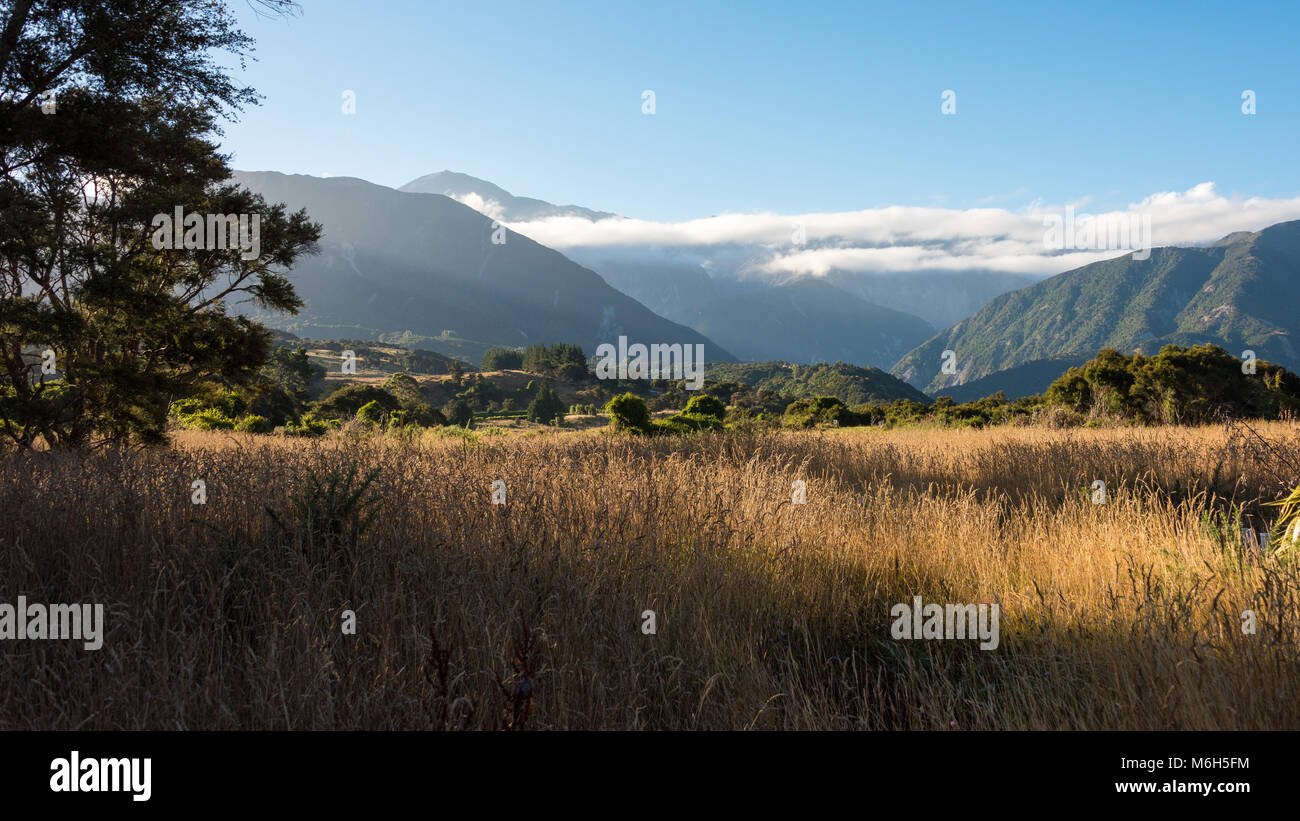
<point x="109" y="115"/>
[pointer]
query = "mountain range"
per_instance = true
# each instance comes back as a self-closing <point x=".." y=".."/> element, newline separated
<point x="500" y="294"/>
<point x="441" y="275"/>
<point x="869" y="319"/>
<point x="1239" y="293"/>
<point x="419" y="265"/>
<point x="809" y="320"/>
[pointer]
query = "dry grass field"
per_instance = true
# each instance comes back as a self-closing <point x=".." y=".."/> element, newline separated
<point x="769" y="615"/>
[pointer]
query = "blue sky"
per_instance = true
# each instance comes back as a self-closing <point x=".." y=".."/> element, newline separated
<point x="783" y="107"/>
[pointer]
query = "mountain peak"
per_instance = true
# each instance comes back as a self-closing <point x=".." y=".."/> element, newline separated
<point x="454" y="182"/>
<point x="493" y="200"/>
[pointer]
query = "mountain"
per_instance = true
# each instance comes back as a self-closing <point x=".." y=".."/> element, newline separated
<point x="851" y="384"/>
<point x="1239" y="293"/>
<point x="939" y="297"/>
<point x="810" y="320"/>
<point x="426" y="267"/>
<point x="681" y="283"/>
<point x="673" y="289"/>
<point x="493" y="200"/>
<point x="1022" y="380"/>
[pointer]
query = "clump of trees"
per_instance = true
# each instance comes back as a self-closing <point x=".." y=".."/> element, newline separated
<point x="278" y="396"/>
<point x="285" y="385"/>
<point x="820" y="411"/>
<point x="1178" y="385"/>
<point x="562" y="361"/>
<point x="480" y="393"/>
<point x="458" y="412"/>
<point x="396" y="403"/>
<point x="702" y="413"/>
<point x="547" y="407"/>
<point x="502" y="359"/>
<point x="629" y="414"/>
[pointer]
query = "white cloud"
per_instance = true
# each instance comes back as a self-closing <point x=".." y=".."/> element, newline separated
<point x="487" y="207"/>
<point x="905" y="238"/>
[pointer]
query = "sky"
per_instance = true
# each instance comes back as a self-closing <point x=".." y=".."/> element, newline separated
<point x="805" y="111"/>
<point x="782" y="107"/>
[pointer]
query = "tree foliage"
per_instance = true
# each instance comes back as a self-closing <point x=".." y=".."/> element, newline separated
<point x="100" y="329"/>
<point x="706" y="405"/>
<point x="562" y="361"/>
<point x="1178" y="385"/>
<point x="546" y="407"/>
<point x="629" y="413"/>
<point x="502" y="359"/>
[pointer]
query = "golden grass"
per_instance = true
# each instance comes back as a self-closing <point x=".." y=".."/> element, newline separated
<point x="769" y="614"/>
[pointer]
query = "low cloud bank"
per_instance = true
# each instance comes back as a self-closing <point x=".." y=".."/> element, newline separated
<point x="900" y="239"/>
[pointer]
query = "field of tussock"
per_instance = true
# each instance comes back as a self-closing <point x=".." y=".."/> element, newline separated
<point x="769" y="615"/>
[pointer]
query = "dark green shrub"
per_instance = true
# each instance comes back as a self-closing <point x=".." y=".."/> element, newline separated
<point x="252" y="423"/>
<point x="208" y="419"/>
<point x="328" y="516"/>
<point x="547" y="407"/>
<point x="459" y="413"/>
<point x="706" y="405"/>
<point x="373" y="415"/>
<point x="629" y="413"/>
<point x="689" y="423"/>
<point x="821" y="411"/>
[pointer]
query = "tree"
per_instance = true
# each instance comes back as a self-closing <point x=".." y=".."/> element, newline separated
<point x="373" y="414"/>
<point x="502" y="359"/>
<point x="414" y="410"/>
<point x="285" y="384"/>
<point x="629" y="413"/>
<point x="458" y="412"/>
<point x="294" y="371"/>
<point x="563" y="360"/>
<point x="706" y="405"/>
<point x="819" y="411"/>
<point x="1178" y="385"/>
<point x="349" y="399"/>
<point x="547" y="407"/>
<point x="480" y="393"/>
<point x="100" y="327"/>
<point x="404" y="387"/>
